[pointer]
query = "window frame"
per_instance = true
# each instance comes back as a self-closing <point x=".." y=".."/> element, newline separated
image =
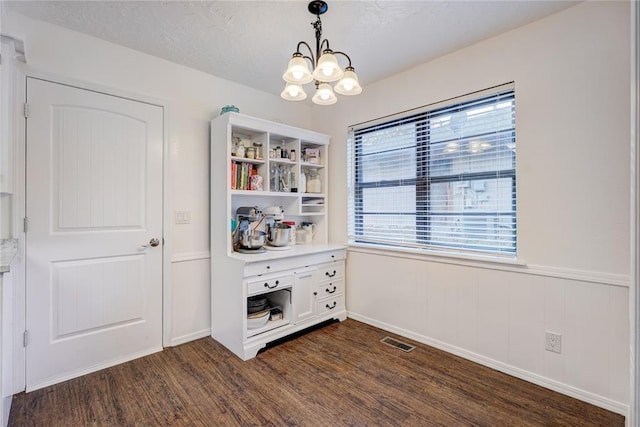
<point x="424" y="181"/>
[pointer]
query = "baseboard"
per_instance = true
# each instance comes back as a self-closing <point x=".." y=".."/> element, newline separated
<point x="109" y="364"/>
<point x="522" y="374"/>
<point x="6" y="410"/>
<point x="190" y="337"/>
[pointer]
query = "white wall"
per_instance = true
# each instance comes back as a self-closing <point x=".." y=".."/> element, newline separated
<point x="571" y="73"/>
<point x="193" y="98"/>
<point x="572" y="91"/>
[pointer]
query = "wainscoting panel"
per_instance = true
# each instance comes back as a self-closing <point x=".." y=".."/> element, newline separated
<point x="499" y="318"/>
<point x="191" y="290"/>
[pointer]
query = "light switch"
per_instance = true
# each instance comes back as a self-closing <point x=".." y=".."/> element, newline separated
<point x="183" y="217"/>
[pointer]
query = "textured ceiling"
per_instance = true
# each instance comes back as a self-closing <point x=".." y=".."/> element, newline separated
<point x="250" y="42"/>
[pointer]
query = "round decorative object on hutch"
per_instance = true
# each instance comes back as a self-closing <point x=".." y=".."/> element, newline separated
<point x="229" y="109"/>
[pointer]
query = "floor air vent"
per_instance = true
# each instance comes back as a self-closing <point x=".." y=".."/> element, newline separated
<point x="397" y="344"/>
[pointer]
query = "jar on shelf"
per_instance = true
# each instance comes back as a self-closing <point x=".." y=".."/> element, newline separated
<point x="275" y="178"/>
<point x="302" y="182"/>
<point x="234" y="146"/>
<point x="285" y="178"/>
<point x="251" y="152"/>
<point x="292" y="155"/>
<point x="294" y="181"/>
<point x="258" y="148"/>
<point x="240" y="150"/>
<point x="313" y="181"/>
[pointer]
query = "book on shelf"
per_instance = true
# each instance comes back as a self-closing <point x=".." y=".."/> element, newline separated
<point x="234" y="175"/>
<point x="241" y="173"/>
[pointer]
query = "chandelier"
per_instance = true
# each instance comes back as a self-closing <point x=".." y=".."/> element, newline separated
<point x="325" y="68"/>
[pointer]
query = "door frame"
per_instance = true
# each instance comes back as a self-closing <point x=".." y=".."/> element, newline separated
<point x="633" y="417"/>
<point x="19" y="208"/>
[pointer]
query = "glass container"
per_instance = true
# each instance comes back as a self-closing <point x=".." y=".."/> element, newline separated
<point x="313" y="181"/>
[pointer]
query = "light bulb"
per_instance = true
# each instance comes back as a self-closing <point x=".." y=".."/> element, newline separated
<point x="348" y="85"/>
<point x="294" y="90"/>
<point x="327" y="70"/>
<point x="324" y="95"/>
<point x="297" y="74"/>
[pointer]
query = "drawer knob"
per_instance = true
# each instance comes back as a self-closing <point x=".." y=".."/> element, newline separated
<point x="329" y="274"/>
<point x="331" y="307"/>
<point x="315" y="293"/>
<point x="329" y="291"/>
<point x="266" y="285"/>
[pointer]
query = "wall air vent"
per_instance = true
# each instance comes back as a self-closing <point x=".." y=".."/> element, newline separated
<point x="397" y="344"/>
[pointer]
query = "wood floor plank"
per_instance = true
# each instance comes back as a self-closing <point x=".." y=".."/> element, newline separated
<point x="338" y="375"/>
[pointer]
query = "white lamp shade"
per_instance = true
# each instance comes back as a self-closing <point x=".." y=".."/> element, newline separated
<point x="324" y="95"/>
<point x="349" y="85"/>
<point x="297" y="71"/>
<point x="293" y="92"/>
<point x="328" y="69"/>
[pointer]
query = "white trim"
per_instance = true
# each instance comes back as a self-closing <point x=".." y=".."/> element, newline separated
<point x="633" y="416"/>
<point x="167" y="289"/>
<point x="19" y="266"/>
<point x="621" y="280"/>
<point x="95" y="368"/>
<point x="191" y="337"/>
<point x="585" y="396"/>
<point x="18" y="46"/>
<point x="24" y="72"/>
<point x="190" y="256"/>
<point x="96" y="87"/>
<point x="6" y="409"/>
<point x="598" y="277"/>
<point x="437" y="255"/>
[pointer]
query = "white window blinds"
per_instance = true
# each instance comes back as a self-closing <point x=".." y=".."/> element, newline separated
<point x="442" y="178"/>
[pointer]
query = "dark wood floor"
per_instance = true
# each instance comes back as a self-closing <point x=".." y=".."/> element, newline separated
<point x="339" y="375"/>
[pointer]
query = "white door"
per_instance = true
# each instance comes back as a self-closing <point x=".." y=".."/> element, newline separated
<point x="94" y="200"/>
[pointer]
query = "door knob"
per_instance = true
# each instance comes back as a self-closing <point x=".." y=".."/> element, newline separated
<point x="153" y="243"/>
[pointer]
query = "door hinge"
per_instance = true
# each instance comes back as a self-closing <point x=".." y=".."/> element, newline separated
<point x="26" y="110"/>
<point x="25" y="338"/>
<point x="25" y="221"/>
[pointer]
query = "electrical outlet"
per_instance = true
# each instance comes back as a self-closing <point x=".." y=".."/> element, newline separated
<point x="183" y="217"/>
<point x="554" y="342"/>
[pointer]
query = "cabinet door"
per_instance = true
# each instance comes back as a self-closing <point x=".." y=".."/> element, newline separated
<point x="303" y="300"/>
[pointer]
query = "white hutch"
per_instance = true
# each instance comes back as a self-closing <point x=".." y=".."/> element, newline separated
<point x="307" y="280"/>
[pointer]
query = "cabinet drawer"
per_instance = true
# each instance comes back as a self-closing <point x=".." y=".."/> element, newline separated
<point x="330" y="271"/>
<point x="288" y="262"/>
<point x="327" y="305"/>
<point x="268" y="285"/>
<point x="329" y="289"/>
<point x="266" y="267"/>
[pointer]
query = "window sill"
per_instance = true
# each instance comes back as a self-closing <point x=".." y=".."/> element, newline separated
<point x="438" y="256"/>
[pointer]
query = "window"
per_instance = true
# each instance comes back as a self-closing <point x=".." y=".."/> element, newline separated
<point x="443" y="178"/>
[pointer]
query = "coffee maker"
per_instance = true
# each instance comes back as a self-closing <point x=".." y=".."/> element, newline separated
<point x="248" y="237"/>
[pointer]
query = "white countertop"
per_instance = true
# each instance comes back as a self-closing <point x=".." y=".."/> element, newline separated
<point x="8" y="249"/>
<point x="296" y="250"/>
